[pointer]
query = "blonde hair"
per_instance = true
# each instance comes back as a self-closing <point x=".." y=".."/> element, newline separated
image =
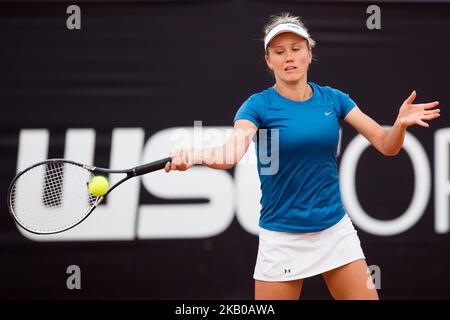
<point x="286" y="17"/>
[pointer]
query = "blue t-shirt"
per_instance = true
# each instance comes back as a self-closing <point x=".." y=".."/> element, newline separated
<point x="303" y="194"/>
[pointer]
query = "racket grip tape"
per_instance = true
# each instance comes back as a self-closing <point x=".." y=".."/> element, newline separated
<point x="152" y="166"/>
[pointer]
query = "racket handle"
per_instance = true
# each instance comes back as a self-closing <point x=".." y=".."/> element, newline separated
<point x="152" y="166"/>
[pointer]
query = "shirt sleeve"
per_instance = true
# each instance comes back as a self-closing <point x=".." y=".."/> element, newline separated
<point x="250" y="110"/>
<point x="345" y="103"/>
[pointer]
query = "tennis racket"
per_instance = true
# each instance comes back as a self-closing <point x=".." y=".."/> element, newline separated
<point x="52" y="196"/>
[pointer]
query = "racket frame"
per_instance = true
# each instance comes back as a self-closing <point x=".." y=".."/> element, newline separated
<point x="130" y="173"/>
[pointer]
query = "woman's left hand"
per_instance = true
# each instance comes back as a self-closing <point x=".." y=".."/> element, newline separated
<point x="411" y="114"/>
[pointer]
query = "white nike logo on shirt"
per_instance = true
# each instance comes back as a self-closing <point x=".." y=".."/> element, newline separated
<point x="328" y="113"/>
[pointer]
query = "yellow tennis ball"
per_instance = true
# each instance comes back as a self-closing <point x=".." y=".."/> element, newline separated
<point x="98" y="186"/>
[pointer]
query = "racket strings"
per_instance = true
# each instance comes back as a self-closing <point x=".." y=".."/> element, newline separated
<point x="53" y="182"/>
<point x="52" y="197"/>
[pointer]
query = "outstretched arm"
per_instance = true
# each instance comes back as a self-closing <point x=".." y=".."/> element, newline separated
<point x="223" y="157"/>
<point x="390" y="141"/>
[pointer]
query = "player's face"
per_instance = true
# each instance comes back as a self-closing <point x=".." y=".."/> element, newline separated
<point x="288" y="56"/>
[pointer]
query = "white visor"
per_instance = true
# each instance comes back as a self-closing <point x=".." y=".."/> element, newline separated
<point x="285" y="27"/>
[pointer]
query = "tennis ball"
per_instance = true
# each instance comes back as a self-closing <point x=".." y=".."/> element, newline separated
<point x="98" y="186"/>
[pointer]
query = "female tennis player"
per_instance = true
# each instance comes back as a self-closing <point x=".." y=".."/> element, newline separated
<point x="304" y="229"/>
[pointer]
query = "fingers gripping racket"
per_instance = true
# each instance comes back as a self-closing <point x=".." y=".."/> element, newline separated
<point x="53" y="196"/>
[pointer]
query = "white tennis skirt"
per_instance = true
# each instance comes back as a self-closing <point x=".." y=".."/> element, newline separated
<point x="285" y="256"/>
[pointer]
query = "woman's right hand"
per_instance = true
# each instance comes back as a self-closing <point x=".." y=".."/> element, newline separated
<point x="181" y="160"/>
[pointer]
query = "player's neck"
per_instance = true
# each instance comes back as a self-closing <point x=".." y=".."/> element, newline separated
<point x="299" y="91"/>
